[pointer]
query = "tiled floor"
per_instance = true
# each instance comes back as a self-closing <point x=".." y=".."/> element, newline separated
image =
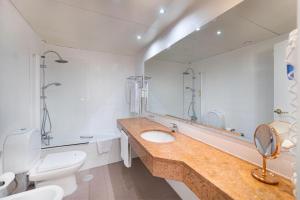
<point x="116" y="182"/>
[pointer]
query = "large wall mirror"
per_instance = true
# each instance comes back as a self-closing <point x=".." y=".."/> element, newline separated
<point x="229" y="74"/>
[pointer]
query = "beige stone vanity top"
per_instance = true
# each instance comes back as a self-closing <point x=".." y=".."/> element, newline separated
<point x="207" y="171"/>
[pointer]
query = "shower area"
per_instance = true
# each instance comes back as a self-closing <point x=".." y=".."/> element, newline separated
<point x="62" y="100"/>
<point x="81" y="96"/>
<point x="192" y="91"/>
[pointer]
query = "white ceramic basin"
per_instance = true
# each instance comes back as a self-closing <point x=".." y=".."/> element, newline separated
<point x="157" y="136"/>
<point x="52" y="192"/>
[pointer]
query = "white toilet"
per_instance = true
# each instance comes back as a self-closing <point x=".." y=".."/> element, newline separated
<point x="21" y="154"/>
<point x="215" y="119"/>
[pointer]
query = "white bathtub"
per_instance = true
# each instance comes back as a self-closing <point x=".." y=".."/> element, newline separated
<point x="101" y="137"/>
<point x="89" y="145"/>
<point x="74" y="140"/>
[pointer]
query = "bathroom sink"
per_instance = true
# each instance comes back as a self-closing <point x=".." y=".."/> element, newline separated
<point x="52" y="192"/>
<point x="157" y="136"/>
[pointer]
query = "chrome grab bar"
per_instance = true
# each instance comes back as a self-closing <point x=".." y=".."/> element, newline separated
<point x="86" y="137"/>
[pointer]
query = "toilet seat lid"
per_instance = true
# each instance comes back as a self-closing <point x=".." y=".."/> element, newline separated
<point x="215" y="119"/>
<point x="61" y="160"/>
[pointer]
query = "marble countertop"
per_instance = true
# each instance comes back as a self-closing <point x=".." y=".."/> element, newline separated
<point x="210" y="173"/>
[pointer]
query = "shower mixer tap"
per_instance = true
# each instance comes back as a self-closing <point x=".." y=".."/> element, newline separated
<point x="174" y="127"/>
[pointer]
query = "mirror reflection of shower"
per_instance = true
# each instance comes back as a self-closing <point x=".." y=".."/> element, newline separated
<point x="46" y="125"/>
<point x="191" y="112"/>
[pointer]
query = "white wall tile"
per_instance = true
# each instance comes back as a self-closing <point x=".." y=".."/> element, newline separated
<point x="18" y="45"/>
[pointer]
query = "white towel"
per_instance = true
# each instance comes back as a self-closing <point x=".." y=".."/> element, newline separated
<point x="146" y="90"/>
<point x="134" y="96"/>
<point x="291" y="57"/>
<point x="125" y="150"/>
<point x="103" y="146"/>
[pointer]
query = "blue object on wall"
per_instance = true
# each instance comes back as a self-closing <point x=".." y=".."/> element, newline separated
<point x="290" y="72"/>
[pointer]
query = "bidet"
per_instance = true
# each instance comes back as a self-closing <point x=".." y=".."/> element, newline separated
<point x="52" y="192"/>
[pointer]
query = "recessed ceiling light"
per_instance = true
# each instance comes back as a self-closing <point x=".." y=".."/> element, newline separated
<point x="139" y="37"/>
<point x="247" y="43"/>
<point x="198" y="29"/>
<point x="162" y="11"/>
<point x="219" y="32"/>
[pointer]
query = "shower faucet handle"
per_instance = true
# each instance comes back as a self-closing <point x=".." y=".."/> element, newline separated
<point x="174" y="127"/>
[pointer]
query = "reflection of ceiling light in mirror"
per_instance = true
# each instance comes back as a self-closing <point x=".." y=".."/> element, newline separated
<point x="219" y="32"/>
<point x="139" y="37"/>
<point x="198" y="29"/>
<point x="162" y="11"/>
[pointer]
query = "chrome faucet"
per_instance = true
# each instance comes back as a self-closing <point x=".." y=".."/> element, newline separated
<point x="174" y="127"/>
<point x="46" y="139"/>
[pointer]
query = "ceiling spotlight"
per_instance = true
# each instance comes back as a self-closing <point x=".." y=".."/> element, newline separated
<point x="162" y="11"/>
<point x="219" y="32"/>
<point x="198" y="29"/>
<point x="247" y="43"/>
<point x="139" y="37"/>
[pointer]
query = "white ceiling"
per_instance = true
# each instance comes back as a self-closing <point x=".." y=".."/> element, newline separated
<point x="252" y="20"/>
<point x="100" y="25"/>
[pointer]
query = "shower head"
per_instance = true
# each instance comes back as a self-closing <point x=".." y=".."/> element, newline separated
<point x="57" y="84"/>
<point x="51" y="84"/>
<point x="189" y="88"/>
<point x="59" y="60"/>
<point x="188" y="70"/>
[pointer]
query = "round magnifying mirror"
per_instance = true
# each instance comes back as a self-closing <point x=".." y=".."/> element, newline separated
<point x="267" y="142"/>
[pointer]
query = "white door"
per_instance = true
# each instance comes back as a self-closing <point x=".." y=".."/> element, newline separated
<point x="282" y="96"/>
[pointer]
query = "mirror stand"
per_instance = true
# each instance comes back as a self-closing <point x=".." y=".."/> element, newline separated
<point x="263" y="175"/>
<point x="267" y="142"/>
